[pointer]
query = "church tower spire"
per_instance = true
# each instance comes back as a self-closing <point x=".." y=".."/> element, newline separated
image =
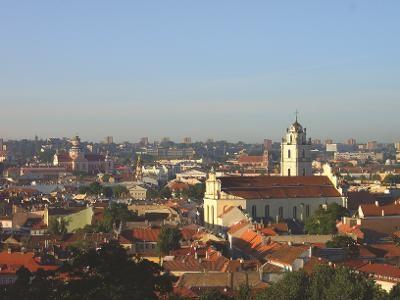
<point x="295" y="151"/>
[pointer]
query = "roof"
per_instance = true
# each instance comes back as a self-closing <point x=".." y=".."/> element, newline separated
<point x="11" y="262"/>
<point x="142" y="234"/>
<point x="383" y="271"/>
<point x="372" y="210"/>
<point x="261" y="187"/>
<point x="251" y="159"/>
<point x="287" y="254"/>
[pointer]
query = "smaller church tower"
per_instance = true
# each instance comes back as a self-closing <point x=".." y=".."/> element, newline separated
<point x="138" y="170"/>
<point x="295" y="152"/>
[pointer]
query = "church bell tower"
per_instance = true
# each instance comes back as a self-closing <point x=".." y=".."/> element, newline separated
<point x="295" y="152"/>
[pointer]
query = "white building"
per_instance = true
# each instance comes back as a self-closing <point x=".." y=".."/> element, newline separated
<point x="295" y="152"/>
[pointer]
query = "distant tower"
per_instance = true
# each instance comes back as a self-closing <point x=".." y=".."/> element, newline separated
<point x="295" y="152"/>
<point x="75" y="151"/>
<point x="139" y="171"/>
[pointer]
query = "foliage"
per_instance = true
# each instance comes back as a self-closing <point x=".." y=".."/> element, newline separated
<point x="345" y="242"/>
<point x="324" y="220"/>
<point x="324" y="283"/>
<point x="114" y="214"/>
<point x="97" y="189"/>
<point x="194" y="191"/>
<point x="58" y="226"/>
<point x="213" y="295"/>
<point x="107" y="273"/>
<point x="168" y="240"/>
<point x="391" y="179"/>
<point x="165" y="193"/>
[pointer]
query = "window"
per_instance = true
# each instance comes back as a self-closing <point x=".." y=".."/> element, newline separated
<point x="304" y="153"/>
<point x="291" y="138"/>
<point x="304" y="172"/>
<point x="288" y="153"/>
<point x="288" y="172"/>
<point x="280" y="212"/>
<point x="294" y="212"/>
<point x="307" y="210"/>
<point x="266" y="211"/>
<point x="254" y="211"/>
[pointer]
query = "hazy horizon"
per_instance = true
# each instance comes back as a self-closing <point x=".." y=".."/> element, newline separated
<point x="226" y="70"/>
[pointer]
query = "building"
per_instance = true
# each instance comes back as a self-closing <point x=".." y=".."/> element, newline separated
<point x="267" y="145"/>
<point x="372" y="145"/>
<point x="268" y="197"/>
<point x="144" y="141"/>
<point x="187" y="140"/>
<point x="295" y="152"/>
<point x="76" y="160"/>
<point x="109" y="140"/>
<point x="260" y="163"/>
<point x="351" y="141"/>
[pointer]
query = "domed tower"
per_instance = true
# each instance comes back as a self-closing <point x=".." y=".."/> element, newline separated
<point x="138" y="170"/>
<point x="75" y="152"/>
<point x="295" y="152"/>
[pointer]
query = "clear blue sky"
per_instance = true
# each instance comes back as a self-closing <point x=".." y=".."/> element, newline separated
<point x="234" y="70"/>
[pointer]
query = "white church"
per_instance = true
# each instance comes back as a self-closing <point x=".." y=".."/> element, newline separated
<point x="296" y="194"/>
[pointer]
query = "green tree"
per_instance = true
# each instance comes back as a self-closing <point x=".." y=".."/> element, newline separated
<point x="324" y="220"/>
<point x="116" y="213"/>
<point x="95" y="188"/>
<point x="395" y="293"/>
<point x="166" y="193"/>
<point x="168" y="240"/>
<point x="292" y="286"/>
<point x="58" y="226"/>
<point x="345" y="242"/>
<point x="119" y="191"/>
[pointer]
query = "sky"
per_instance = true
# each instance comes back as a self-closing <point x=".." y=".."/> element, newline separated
<point x="231" y="70"/>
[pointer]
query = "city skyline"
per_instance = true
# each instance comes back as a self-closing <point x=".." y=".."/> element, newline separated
<point x="228" y="71"/>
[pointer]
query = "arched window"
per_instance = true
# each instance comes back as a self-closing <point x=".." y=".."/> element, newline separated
<point x="288" y="153"/>
<point x="291" y="138"/>
<point x="307" y="211"/>
<point x="288" y="172"/>
<point x="266" y="211"/>
<point x="294" y="212"/>
<point x="304" y="153"/>
<point x="280" y="212"/>
<point x="254" y="211"/>
<point x="304" y="172"/>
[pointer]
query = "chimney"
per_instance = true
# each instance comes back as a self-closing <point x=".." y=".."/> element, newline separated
<point x="377" y="203"/>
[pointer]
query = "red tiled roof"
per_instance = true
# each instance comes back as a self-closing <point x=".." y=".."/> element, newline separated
<point x="383" y="271"/>
<point x="11" y="262"/>
<point x="63" y="157"/>
<point x="248" y="159"/>
<point x="372" y="210"/>
<point x="237" y="226"/>
<point x="142" y="234"/>
<point x="94" y="157"/>
<point x="261" y="187"/>
<point x="287" y="254"/>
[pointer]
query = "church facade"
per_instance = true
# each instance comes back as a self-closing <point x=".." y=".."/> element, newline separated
<point x="296" y="194"/>
<point x="76" y="160"/>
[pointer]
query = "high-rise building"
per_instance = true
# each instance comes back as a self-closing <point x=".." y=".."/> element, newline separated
<point x="295" y="152"/>
<point x="144" y="141"/>
<point x="372" y="145"/>
<point x="187" y="140"/>
<point x="316" y="142"/>
<point x="352" y="142"/>
<point x="267" y="145"/>
<point x="109" y="140"/>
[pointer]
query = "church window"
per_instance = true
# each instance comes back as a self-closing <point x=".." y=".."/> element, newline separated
<point x="291" y="138"/>
<point x="304" y="172"/>
<point x="304" y="154"/>
<point x="280" y="212"/>
<point x="266" y="211"/>
<point x="288" y="154"/>
<point x="254" y="211"/>
<point x="288" y="172"/>
<point x="307" y="210"/>
<point x="294" y="212"/>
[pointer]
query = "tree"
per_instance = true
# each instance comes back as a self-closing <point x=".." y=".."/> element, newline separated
<point x="292" y="286"/>
<point x="395" y="292"/>
<point x="324" y="220"/>
<point x="58" y="226"/>
<point x="168" y="240"/>
<point x="214" y="295"/>
<point x="345" y="242"/>
<point x="95" y="188"/>
<point x="165" y="193"/>
<point x="120" y="190"/>
<point x="392" y="179"/>
<point x="116" y="213"/>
